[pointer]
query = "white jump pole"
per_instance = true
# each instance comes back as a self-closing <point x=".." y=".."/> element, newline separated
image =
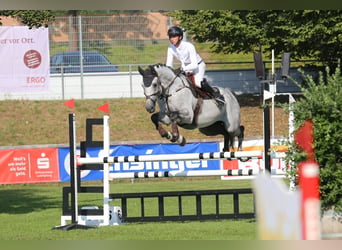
<point x="106" y="149"/>
<point x="192" y="173"/>
<point x="241" y="155"/>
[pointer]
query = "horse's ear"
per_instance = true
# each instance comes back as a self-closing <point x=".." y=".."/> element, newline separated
<point x="153" y="71"/>
<point x="141" y="71"/>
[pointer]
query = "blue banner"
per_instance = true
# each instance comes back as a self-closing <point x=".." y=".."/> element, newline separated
<point x="143" y="149"/>
<point x="64" y="166"/>
<point x="154" y="149"/>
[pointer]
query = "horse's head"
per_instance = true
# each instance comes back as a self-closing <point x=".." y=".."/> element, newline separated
<point x="151" y="87"/>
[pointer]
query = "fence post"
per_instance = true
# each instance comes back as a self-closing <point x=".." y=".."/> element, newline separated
<point x="130" y="81"/>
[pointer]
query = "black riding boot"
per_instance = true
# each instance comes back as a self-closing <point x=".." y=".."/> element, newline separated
<point x="214" y="92"/>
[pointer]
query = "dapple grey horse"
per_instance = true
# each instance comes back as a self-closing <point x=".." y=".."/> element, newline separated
<point x="180" y="104"/>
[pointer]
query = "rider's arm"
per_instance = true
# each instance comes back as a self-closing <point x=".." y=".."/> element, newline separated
<point x="193" y="58"/>
<point x="169" y="58"/>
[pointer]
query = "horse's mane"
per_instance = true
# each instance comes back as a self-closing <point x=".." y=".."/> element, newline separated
<point x="163" y="65"/>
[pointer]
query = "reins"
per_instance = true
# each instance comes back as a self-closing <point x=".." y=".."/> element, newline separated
<point x="191" y="87"/>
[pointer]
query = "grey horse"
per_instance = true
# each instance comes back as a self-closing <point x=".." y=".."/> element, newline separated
<point x="181" y="104"/>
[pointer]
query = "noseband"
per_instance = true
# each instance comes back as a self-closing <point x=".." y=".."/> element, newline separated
<point x="149" y="97"/>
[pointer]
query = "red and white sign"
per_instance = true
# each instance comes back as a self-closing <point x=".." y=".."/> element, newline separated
<point x="277" y="165"/>
<point x="29" y="165"/>
<point x="25" y="59"/>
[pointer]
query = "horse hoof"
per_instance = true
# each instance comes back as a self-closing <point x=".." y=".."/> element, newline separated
<point x="167" y="135"/>
<point x="173" y="139"/>
<point x="183" y="141"/>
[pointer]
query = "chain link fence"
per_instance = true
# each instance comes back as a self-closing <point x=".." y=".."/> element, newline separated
<point x="123" y="39"/>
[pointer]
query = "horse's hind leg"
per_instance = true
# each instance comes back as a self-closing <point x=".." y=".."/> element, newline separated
<point x="226" y="142"/>
<point x="241" y="136"/>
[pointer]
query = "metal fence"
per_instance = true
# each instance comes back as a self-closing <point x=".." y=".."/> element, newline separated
<point x="124" y="39"/>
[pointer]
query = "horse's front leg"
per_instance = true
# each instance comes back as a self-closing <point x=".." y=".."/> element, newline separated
<point x="176" y="137"/>
<point x="156" y="121"/>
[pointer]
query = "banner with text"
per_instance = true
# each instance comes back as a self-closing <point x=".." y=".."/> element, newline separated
<point x="143" y="149"/>
<point x="29" y="165"/>
<point x="25" y="59"/>
<point x="277" y="165"/>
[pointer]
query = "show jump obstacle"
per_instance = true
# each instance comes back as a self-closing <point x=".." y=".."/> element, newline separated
<point x="92" y="216"/>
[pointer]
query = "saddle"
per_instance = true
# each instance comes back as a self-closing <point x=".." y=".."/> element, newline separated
<point x="198" y="92"/>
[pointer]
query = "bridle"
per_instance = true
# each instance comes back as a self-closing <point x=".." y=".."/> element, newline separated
<point x="156" y="94"/>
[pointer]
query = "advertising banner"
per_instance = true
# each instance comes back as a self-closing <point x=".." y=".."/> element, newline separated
<point x="277" y="165"/>
<point x="29" y="165"/>
<point x="151" y="149"/>
<point x="143" y="149"/>
<point x="64" y="165"/>
<point x="25" y="59"/>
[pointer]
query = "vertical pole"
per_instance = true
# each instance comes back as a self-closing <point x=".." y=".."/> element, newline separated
<point x="309" y="183"/>
<point x="81" y="53"/>
<point x="291" y="117"/>
<point x="267" y="139"/>
<point x="73" y="169"/>
<point x="310" y="203"/>
<point x="273" y="116"/>
<point x="273" y="84"/>
<point x="292" y="184"/>
<point x="106" y="146"/>
<point x="130" y="81"/>
<point x="63" y="84"/>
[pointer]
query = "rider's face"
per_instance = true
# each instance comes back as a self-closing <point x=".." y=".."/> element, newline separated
<point x="175" y="40"/>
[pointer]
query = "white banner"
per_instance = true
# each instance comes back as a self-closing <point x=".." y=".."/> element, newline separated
<point x="25" y="59"/>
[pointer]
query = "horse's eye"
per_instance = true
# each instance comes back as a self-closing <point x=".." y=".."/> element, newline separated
<point x="154" y="85"/>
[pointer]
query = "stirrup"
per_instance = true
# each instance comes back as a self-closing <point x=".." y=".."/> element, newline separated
<point x="220" y="99"/>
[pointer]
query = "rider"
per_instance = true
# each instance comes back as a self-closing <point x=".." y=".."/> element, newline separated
<point x="191" y="62"/>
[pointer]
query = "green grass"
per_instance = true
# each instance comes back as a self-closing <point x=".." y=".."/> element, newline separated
<point x="29" y="211"/>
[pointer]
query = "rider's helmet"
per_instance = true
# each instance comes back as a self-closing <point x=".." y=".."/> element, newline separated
<point x="175" y="31"/>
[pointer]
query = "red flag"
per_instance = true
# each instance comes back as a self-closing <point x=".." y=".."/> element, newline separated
<point x="104" y="108"/>
<point x="70" y="103"/>
<point x="304" y="138"/>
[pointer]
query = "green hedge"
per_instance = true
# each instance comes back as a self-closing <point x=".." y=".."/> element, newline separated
<point x="322" y="102"/>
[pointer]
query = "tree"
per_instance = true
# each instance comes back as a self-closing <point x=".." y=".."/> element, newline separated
<point x="322" y="103"/>
<point x="314" y="34"/>
<point x="31" y="18"/>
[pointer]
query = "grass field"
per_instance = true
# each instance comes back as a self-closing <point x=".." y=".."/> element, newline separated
<point x="29" y="211"/>
<point x="45" y="122"/>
